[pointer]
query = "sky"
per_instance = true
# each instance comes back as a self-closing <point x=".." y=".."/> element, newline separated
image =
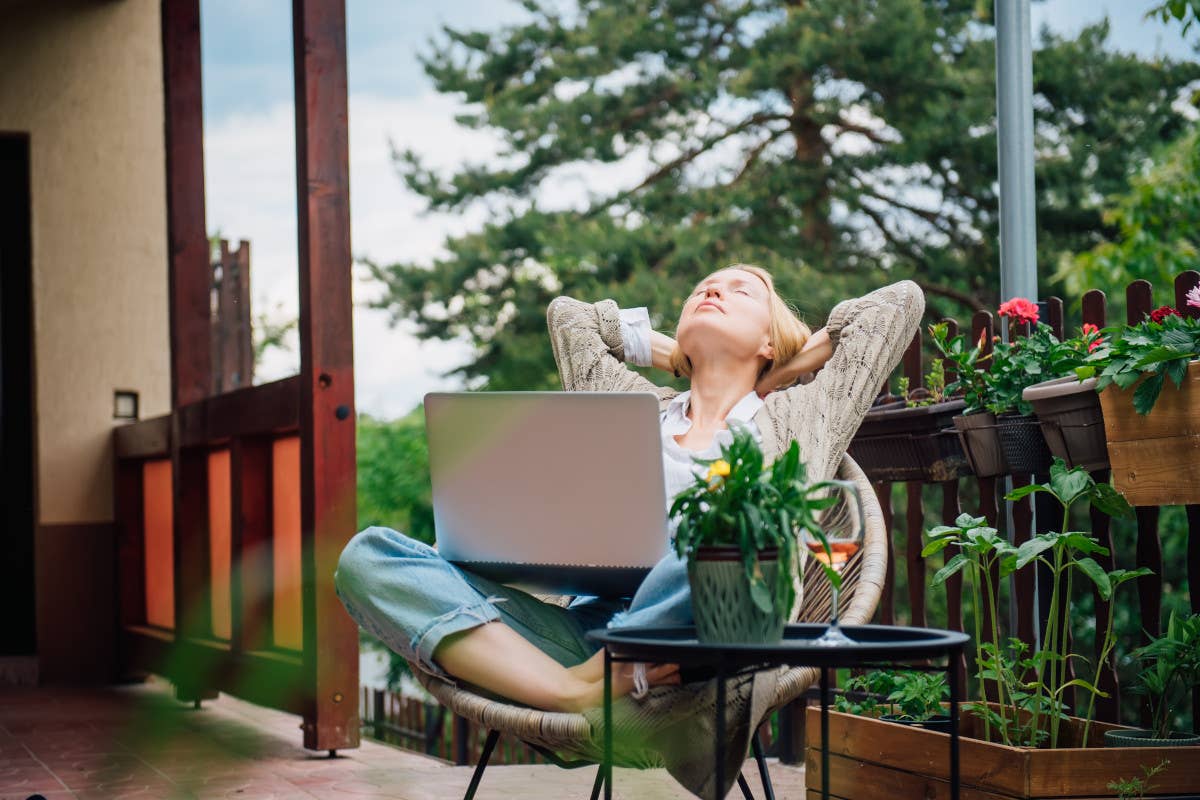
<point x="249" y="127"/>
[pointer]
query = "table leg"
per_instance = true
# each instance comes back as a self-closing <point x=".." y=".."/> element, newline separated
<point x="954" y="667"/>
<point x="825" y="733"/>
<point x="607" y="766"/>
<point x="720" y="771"/>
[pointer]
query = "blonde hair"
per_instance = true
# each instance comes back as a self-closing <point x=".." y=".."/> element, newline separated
<point x="787" y="333"/>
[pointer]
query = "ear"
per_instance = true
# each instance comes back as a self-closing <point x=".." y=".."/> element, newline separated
<point x="767" y="351"/>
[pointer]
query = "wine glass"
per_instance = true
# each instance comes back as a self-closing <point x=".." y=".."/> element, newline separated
<point x="837" y="537"/>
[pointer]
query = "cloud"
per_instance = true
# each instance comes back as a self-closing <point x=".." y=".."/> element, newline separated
<point x="250" y="183"/>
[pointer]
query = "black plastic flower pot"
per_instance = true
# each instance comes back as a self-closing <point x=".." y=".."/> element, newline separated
<point x="980" y="441"/>
<point x="1072" y="421"/>
<point x="1024" y="446"/>
<point x="895" y="443"/>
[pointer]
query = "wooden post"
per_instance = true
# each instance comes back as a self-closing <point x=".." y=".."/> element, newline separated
<point x="252" y="581"/>
<point x="327" y="419"/>
<point x="190" y="283"/>
<point x="189" y="273"/>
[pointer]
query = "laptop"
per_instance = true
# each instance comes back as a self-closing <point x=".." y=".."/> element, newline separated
<point x="555" y="492"/>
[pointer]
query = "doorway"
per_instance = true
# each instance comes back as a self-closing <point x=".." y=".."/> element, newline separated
<point x="16" y="400"/>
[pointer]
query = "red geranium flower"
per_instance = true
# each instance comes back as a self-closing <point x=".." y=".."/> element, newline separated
<point x="1020" y="309"/>
<point x="1162" y="312"/>
<point x="1088" y="330"/>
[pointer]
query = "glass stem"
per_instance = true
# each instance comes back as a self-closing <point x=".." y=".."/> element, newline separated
<point x="834" y="621"/>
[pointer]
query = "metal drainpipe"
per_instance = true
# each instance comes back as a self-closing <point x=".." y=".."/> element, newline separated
<point x="1014" y="143"/>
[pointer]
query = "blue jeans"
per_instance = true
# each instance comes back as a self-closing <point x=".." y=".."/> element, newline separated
<point x="405" y="594"/>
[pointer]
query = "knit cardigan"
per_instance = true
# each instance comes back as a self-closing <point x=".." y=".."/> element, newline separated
<point x="869" y="335"/>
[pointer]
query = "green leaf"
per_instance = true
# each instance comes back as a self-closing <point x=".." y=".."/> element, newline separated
<point x="952" y="566"/>
<point x="1099" y="577"/>
<point x="760" y="594"/>
<point x="1111" y="502"/>
<point x="1146" y="394"/>
<point x="1025" y="491"/>
<point x="1030" y="549"/>
<point x="1069" y="485"/>
<point x="936" y="546"/>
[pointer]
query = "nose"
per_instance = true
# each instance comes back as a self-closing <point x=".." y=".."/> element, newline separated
<point x="712" y="290"/>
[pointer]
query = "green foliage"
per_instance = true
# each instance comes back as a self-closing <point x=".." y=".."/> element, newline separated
<point x="911" y="695"/>
<point x="837" y="144"/>
<point x="1033" y="684"/>
<point x="1135" y="788"/>
<point x="1185" y="11"/>
<point x="1172" y="668"/>
<point x="1153" y="350"/>
<point x="1023" y="361"/>
<point x="1157" y="224"/>
<point x="393" y="475"/>
<point x="970" y="366"/>
<point x="996" y="381"/>
<point x="934" y="390"/>
<point x="744" y="503"/>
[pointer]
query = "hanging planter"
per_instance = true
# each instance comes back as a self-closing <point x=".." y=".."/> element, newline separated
<point x="1071" y="420"/>
<point x="981" y="443"/>
<point x="1024" y="446"/>
<point x="1155" y="458"/>
<point x="895" y="443"/>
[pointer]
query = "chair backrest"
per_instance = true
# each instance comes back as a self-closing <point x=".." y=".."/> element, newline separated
<point x="864" y="573"/>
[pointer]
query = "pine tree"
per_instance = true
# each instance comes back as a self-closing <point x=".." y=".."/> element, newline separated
<point x="841" y="144"/>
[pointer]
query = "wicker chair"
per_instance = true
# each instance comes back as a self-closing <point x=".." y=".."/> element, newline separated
<point x="556" y="734"/>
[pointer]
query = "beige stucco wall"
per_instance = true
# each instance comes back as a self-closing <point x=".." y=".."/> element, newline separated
<point x="84" y="80"/>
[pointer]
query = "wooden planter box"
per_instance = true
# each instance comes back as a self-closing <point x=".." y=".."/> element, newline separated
<point x="1155" y="459"/>
<point x="873" y="759"/>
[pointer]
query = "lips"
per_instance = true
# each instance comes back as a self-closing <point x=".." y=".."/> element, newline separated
<point x="710" y="304"/>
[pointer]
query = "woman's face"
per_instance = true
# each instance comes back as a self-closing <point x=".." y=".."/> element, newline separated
<point x="728" y="313"/>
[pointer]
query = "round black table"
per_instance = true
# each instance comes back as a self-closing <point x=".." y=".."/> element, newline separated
<point x="874" y="646"/>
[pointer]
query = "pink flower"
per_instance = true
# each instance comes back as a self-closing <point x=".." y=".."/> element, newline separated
<point x="1162" y="312"/>
<point x="1020" y="309"/>
<point x="1193" y="297"/>
<point x="1090" y="330"/>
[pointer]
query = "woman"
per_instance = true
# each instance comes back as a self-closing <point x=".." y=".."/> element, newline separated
<point x="738" y="342"/>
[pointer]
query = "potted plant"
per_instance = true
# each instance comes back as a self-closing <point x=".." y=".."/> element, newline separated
<point x="1172" y="666"/>
<point x="1153" y="429"/>
<point x="1017" y="364"/>
<point x="1023" y="744"/>
<point x="737" y="528"/>
<point x="906" y="697"/>
<point x="975" y="424"/>
<point x="906" y="440"/>
<point x="1068" y="409"/>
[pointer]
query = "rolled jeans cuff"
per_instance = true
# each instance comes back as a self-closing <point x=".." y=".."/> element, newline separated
<point x="463" y="618"/>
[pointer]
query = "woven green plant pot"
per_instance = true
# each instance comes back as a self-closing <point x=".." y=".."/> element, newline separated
<point x="721" y="602"/>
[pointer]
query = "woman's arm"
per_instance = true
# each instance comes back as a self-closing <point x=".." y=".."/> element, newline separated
<point x="812" y="357"/>
<point x="588" y="349"/>
<point x="868" y="336"/>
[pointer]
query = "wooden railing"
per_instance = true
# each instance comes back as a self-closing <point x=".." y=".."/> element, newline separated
<point x="212" y="553"/>
<point x="1029" y="616"/>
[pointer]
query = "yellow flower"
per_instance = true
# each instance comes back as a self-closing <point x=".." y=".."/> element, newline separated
<point x="718" y="469"/>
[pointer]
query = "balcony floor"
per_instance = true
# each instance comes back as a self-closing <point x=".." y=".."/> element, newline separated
<point x="137" y="742"/>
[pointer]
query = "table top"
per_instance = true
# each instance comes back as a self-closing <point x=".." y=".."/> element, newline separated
<point x="871" y="644"/>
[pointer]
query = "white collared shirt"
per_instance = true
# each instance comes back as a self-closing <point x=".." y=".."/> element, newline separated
<point x="679" y="466"/>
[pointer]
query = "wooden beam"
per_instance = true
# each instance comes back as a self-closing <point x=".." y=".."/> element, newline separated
<point x="269" y="408"/>
<point x="148" y="438"/>
<point x="327" y="455"/>
<point x="190" y="275"/>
